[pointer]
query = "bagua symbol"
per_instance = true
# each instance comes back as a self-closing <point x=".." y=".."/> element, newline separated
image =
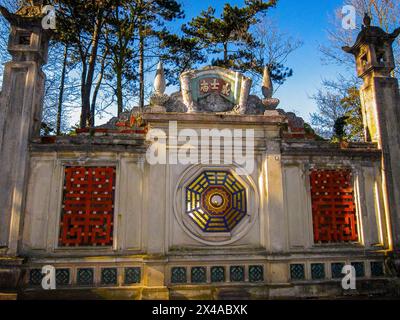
<point x="349" y="280"/>
<point x="49" y="20"/>
<point x="49" y="279"/>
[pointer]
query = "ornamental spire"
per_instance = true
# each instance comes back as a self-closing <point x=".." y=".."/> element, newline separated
<point x="159" y="81"/>
<point x="267" y="87"/>
<point x="268" y="90"/>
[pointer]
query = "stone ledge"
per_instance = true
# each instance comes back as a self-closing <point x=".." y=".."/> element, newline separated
<point x="371" y="288"/>
<point x="215" y="118"/>
<point x="326" y="148"/>
<point x="96" y="146"/>
<point x="82" y="294"/>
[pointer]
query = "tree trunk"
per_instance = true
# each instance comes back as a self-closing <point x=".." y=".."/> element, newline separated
<point x="225" y="52"/>
<point x="97" y="88"/>
<point x="61" y="93"/>
<point x="83" y="94"/>
<point x="120" y="62"/>
<point x="120" y="102"/>
<point x="86" y="94"/>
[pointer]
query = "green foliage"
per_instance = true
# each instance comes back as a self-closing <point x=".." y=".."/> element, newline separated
<point x="352" y="106"/>
<point x="180" y="54"/>
<point x="176" y="52"/>
<point x="339" y="112"/>
<point x="113" y="45"/>
<point x="103" y="36"/>
<point x="229" y="40"/>
<point x="339" y="127"/>
<point x="77" y="18"/>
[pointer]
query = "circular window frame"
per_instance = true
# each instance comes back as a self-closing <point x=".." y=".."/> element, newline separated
<point x="221" y="238"/>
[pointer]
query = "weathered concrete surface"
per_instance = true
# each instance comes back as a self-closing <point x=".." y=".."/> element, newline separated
<point x="11" y="274"/>
<point x="366" y="289"/>
<point x="386" y="108"/>
<point x="20" y="119"/>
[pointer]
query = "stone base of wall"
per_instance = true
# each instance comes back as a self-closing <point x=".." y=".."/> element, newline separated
<point x="10" y="274"/>
<point x="135" y="278"/>
<point x="371" y="289"/>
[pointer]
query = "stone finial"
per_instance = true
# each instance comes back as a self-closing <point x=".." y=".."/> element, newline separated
<point x="28" y="40"/>
<point x="31" y="8"/>
<point x="159" y="81"/>
<point x="367" y="20"/>
<point x="267" y="87"/>
<point x="268" y="90"/>
<point x="373" y="50"/>
<point x="32" y="3"/>
<point x="159" y="98"/>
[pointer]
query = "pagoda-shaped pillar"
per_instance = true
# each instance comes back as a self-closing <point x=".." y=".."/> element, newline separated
<point x="21" y="103"/>
<point x="380" y="103"/>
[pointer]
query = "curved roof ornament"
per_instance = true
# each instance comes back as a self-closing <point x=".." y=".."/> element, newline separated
<point x="367" y="20"/>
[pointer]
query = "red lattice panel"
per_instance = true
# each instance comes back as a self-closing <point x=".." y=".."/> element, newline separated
<point x="333" y="206"/>
<point x="88" y="206"/>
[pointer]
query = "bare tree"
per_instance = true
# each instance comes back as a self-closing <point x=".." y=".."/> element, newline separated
<point x="384" y="13"/>
<point x="276" y="46"/>
<point x="61" y="90"/>
<point x="332" y="103"/>
<point x="337" y="100"/>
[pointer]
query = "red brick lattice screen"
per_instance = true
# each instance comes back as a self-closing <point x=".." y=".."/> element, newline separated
<point x="88" y="207"/>
<point x="333" y="206"/>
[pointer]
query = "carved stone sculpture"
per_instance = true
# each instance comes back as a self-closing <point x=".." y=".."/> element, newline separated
<point x="214" y="89"/>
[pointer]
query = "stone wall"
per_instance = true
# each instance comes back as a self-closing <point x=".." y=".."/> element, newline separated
<point x="275" y="256"/>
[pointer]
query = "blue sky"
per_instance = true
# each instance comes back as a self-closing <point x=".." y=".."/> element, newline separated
<point x="303" y="20"/>
<point x="306" y="21"/>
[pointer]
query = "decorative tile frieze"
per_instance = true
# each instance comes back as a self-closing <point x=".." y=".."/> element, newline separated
<point x="198" y="275"/>
<point x="62" y="277"/>
<point x="217" y="274"/>
<point x="256" y="273"/>
<point x="237" y="274"/>
<point x="317" y="271"/>
<point x="336" y="270"/>
<point x="132" y="275"/>
<point x="178" y="275"/>
<point x="85" y="276"/>
<point x="109" y="276"/>
<point x="297" y="272"/>
<point x="360" y="269"/>
<point x="35" y="277"/>
<point x="377" y="269"/>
